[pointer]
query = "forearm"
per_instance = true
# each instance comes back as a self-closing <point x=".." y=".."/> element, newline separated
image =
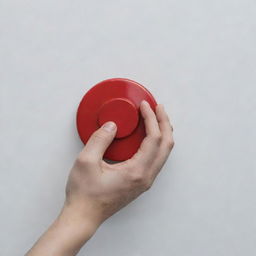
<point x="67" y="234"/>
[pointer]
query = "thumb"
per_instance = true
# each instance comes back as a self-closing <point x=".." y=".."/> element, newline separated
<point x="99" y="141"/>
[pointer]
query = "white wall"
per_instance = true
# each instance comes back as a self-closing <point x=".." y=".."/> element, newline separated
<point x="197" y="57"/>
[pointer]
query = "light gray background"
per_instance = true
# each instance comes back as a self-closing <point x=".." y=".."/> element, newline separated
<point x="196" y="56"/>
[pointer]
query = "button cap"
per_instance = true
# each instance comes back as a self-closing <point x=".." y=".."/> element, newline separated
<point x="121" y="111"/>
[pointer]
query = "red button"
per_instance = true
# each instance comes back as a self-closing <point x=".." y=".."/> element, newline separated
<point x="116" y="100"/>
<point x="121" y="111"/>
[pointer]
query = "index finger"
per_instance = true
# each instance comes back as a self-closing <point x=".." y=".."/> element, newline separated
<point x="149" y="146"/>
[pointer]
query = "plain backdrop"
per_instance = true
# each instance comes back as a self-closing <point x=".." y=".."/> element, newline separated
<point x="198" y="58"/>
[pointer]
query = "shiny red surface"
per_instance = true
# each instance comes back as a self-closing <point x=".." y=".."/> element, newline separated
<point x="117" y="100"/>
<point x="121" y="111"/>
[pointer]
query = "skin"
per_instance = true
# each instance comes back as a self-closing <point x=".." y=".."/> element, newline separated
<point x="96" y="190"/>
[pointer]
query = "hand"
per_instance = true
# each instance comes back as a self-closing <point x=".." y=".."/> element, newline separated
<point x="99" y="189"/>
<point x="96" y="190"/>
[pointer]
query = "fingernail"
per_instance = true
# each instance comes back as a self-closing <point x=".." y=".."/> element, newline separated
<point x="109" y="126"/>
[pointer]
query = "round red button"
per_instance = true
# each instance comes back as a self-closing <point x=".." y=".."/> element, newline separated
<point x="116" y="100"/>
<point x="121" y="111"/>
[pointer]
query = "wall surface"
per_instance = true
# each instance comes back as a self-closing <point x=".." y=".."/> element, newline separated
<point x="197" y="57"/>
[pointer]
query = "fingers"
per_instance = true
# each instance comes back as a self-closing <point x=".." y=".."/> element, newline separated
<point x="165" y="128"/>
<point x="167" y="138"/>
<point x="156" y="146"/>
<point x="99" y="142"/>
<point x="149" y="146"/>
<point x="151" y="124"/>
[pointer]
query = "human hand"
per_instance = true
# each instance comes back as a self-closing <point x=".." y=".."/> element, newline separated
<point x="98" y="189"/>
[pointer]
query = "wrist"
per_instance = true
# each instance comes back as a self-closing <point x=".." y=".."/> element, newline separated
<point x="79" y="220"/>
<point x="67" y="234"/>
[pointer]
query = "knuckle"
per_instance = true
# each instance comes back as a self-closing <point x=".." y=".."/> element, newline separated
<point x="136" y="178"/>
<point x="147" y="185"/>
<point x="140" y="181"/>
<point x="84" y="160"/>
<point x="99" y="136"/>
<point x="157" y="138"/>
<point x="170" y="144"/>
